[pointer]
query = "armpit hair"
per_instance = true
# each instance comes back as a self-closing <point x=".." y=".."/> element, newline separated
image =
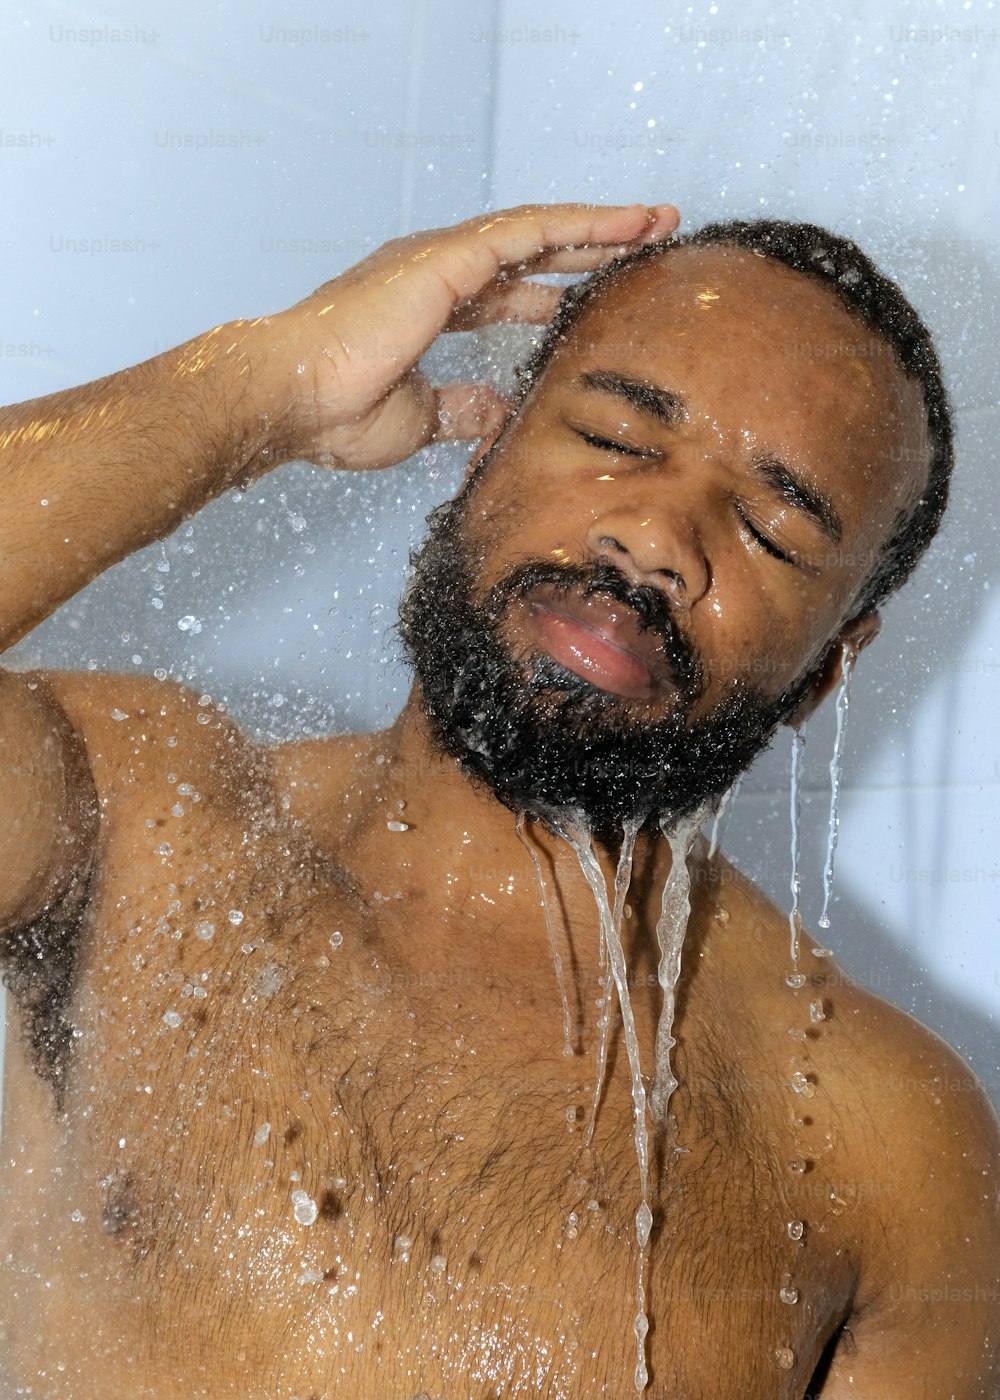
<point x="40" y="964"/>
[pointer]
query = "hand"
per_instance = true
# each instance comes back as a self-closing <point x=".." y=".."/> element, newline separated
<point x="353" y="397"/>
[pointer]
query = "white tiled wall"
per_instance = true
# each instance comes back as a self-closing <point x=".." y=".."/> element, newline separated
<point x="249" y="152"/>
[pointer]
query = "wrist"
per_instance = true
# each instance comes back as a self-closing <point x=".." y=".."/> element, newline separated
<point x="239" y="373"/>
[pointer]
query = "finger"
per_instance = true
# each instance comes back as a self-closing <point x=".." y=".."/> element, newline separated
<point x="577" y="259"/>
<point x="410" y="289"/>
<point x="465" y="259"/>
<point x="469" y="411"/>
<point x="522" y="235"/>
<point x="517" y="301"/>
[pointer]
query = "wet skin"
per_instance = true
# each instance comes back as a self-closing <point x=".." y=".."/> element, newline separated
<point x="381" y="1028"/>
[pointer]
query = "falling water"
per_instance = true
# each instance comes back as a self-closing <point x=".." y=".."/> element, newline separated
<point x="847" y="661"/>
<point x="623" y="875"/>
<point x="550" y="930"/>
<point x="670" y="930"/>
<point x="795" y="917"/>
<point x="585" y="854"/>
<point x="725" y="804"/>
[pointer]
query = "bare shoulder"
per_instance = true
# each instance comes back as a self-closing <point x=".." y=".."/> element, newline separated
<point x="916" y="1101"/>
<point x="906" y="1138"/>
<point x="138" y="730"/>
<point x="923" y="1142"/>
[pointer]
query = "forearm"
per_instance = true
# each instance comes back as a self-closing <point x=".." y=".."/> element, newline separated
<point x="90" y="474"/>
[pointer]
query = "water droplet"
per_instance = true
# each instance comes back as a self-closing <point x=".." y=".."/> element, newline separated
<point x="401" y="1246"/>
<point x="796" y="1229"/>
<point x="261" y="1135"/>
<point x="336" y="938"/>
<point x="816" y="1012"/>
<point x="822" y="952"/>
<point x="205" y="931"/>
<point x="305" y="1207"/>
<point x="572" y="1225"/>
<point x="171" y="1019"/>
<point x="189" y="623"/>
<point x="788" y="1294"/>
<point x="270" y="980"/>
<point x="797" y="1165"/>
<point x="803" y="1085"/>
<point x="795" y="980"/>
<point x="118" y="715"/>
<point x="438" y="1264"/>
<point x="398" y="826"/>
<point x="785" y="1358"/>
<point x="164" y="849"/>
<point x="643" y="1224"/>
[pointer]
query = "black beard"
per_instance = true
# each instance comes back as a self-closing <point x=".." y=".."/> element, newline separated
<point x="546" y="741"/>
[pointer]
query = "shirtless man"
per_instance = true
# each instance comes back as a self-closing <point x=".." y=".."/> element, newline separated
<point x="287" y="1112"/>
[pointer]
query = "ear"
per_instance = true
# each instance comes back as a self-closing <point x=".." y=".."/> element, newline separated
<point x="851" y="641"/>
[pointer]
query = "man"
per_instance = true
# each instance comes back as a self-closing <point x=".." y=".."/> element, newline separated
<point x="287" y="1109"/>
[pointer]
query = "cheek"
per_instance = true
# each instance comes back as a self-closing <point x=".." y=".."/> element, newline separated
<point x="762" y="638"/>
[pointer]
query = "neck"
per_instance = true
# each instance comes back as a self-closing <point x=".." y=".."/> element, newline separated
<point x="445" y="844"/>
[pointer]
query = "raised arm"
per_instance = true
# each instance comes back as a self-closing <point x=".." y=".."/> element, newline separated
<point x="90" y="474"/>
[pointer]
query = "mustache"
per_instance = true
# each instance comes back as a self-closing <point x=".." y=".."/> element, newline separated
<point x="649" y="604"/>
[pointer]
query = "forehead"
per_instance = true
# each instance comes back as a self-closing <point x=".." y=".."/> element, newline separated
<point x="764" y="357"/>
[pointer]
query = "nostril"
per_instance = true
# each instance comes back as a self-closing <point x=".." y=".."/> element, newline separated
<point x="676" y="587"/>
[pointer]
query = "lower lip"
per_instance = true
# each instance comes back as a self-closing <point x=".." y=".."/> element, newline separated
<point x="589" y="654"/>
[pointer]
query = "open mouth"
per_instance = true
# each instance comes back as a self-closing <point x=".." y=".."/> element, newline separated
<point x="599" y="639"/>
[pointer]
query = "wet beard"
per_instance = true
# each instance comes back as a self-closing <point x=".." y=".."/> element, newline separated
<point x="549" y="742"/>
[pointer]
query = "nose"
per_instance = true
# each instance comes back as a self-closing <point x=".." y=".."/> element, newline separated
<point x="656" y="547"/>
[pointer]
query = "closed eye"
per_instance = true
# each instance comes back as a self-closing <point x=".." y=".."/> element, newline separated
<point x="604" y="444"/>
<point x="765" y="542"/>
<point x="609" y="445"/>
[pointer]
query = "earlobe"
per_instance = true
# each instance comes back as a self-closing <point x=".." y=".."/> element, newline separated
<point x="845" y="648"/>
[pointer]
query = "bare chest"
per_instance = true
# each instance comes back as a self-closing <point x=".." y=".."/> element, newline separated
<point x="288" y="1170"/>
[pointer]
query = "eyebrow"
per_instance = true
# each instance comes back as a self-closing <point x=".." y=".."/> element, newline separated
<point x="657" y="403"/>
<point x="773" y="471"/>
<point x="779" y="477"/>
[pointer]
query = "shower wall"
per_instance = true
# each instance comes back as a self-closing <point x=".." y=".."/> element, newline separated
<point x="168" y="169"/>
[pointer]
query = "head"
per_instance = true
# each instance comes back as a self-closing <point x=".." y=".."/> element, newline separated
<point x="725" y="453"/>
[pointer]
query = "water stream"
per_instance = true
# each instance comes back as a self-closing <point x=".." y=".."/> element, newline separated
<point x="550" y="930"/>
<point x="848" y="659"/>
<point x="670" y="930"/>
<point x="795" y="916"/>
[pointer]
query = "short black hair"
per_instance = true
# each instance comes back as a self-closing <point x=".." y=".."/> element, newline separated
<point x="869" y="295"/>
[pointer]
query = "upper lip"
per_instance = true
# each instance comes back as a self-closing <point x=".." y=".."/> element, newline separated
<point x="614" y="621"/>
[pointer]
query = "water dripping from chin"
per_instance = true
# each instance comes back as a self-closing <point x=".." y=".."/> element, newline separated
<point x="571" y="826"/>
